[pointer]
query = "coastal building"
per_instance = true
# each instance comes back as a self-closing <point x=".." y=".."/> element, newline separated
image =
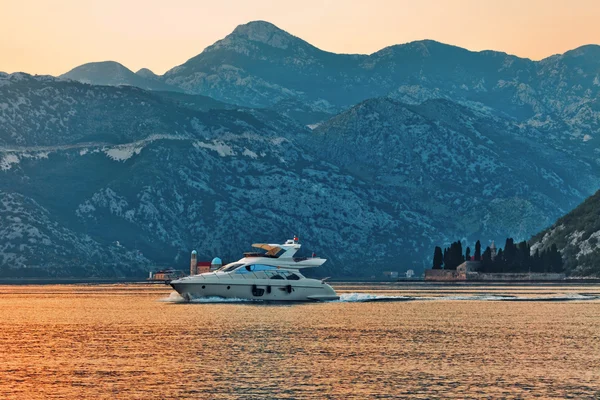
<point x="409" y="274"/>
<point x="215" y="264"/>
<point x="202" y="267"/>
<point x="193" y="262"/>
<point x="166" y="275"/>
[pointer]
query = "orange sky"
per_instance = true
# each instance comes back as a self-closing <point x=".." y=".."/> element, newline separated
<point x="51" y="37"/>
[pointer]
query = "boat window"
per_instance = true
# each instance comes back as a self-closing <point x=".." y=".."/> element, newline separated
<point x="245" y="269"/>
<point x="293" y="277"/>
<point x="230" y="267"/>
<point x="262" y="267"/>
<point x="277" y="277"/>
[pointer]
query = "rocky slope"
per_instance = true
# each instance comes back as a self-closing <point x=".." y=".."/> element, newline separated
<point x="577" y="237"/>
<point x="386" y="153"/>
<point x="260" y="65"/>
<point x="473" y="173"/>
<point x="157" y="178"/>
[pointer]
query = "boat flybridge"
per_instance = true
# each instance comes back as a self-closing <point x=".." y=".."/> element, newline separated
<point x="271" y="276"/>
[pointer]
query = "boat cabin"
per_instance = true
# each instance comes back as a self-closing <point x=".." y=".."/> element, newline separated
<point x="259" y="271"/>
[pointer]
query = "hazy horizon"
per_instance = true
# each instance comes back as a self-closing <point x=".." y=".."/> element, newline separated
<point x="41" y="38"/>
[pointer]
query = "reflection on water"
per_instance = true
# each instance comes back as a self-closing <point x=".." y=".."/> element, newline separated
<point x="137" y="341"/>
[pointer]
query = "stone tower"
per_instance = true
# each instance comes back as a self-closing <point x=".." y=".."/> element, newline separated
<point x="194" y="263"/>
<point x="493" y="249"/>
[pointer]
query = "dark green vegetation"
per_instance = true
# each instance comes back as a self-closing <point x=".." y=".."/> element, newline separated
<point x="517" y="258"/>
<point x="513" y="258"/>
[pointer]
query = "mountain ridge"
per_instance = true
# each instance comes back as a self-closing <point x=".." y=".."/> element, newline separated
<point x="163" y="175"/>
<point x="113" y="73"/>
<point x="261" y="65"/>
<point x="576" y="234"/>
<point x="393" y="151"/>
<point x="183" y="179"/>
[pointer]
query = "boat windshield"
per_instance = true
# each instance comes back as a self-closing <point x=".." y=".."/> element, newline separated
<point x="229" y="267"/>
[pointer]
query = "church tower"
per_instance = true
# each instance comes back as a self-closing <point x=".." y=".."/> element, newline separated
<point x="493" y="249"/>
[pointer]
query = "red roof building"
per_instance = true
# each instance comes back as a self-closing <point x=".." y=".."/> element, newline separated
<point x="202" y="267"/>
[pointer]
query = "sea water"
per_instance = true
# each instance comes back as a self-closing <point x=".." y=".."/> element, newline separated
<point x="139" y="341"/>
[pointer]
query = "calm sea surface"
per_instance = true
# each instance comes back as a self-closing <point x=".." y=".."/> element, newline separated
<point x="139" y="341"/>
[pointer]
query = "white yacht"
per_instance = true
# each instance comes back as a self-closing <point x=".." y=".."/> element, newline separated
<point x="271" y="276"/>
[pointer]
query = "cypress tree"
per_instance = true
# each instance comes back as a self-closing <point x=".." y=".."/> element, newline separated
<point x="438" y="258"/>
<point x="520" y="263"/>
<point x="536" y="262"/>
<point x="546" y="263"/>
<point x="486" y="260"/>
<point x="451" y="251"/>
<point x="509" y="254"/>
<point x="455" y="255"/>
<point x="556" y="262"/>
<point x="477" y="256"/>
<point x="468" y="254"/>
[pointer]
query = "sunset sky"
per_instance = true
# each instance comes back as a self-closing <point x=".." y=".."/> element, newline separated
<point x="51" y="37"/>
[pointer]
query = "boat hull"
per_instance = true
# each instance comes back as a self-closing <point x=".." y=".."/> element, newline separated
<point x="264" y="290"/>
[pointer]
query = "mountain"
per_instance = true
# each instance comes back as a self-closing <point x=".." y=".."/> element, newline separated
<point x="379" y="155"/>
<point x="577" y="237"/>
<point x="112" y="73"/>
<point x="260" y="65"/>
<point x="147" y="74"/>
<point x="135" y="180"/>
<point x="470" y="172"/>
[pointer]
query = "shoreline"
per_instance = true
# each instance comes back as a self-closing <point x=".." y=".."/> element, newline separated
<point x="73" y="281"/>
<point x="400" y="283"/>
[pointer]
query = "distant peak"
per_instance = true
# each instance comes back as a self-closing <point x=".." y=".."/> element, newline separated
<point x="105" y="64"/>
<point x="587" y="50"/>
<point x="146" y="73"/>
<point x="264" y="32"/>
<point x="257" y="26"/>
<point x="91" y="72"/>
<point x="99" y="66"/>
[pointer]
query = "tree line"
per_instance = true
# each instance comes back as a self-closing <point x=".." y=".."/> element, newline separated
<point x="513" y="258"/>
